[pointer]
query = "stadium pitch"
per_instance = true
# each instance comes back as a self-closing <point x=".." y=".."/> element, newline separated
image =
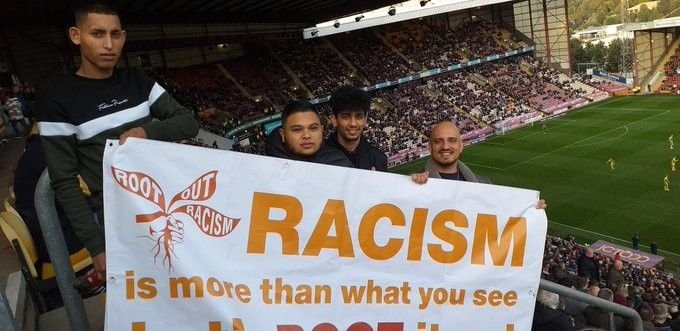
<point x="569" y="163"/>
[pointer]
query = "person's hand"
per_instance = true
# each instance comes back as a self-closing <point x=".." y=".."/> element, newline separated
<point x="134" y="133"/>
<point x="420" y="178"/>
<point x="99" y="262"/>
<point x="541" y="204"/>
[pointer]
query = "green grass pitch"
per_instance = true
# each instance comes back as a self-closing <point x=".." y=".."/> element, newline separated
<point x="568" y="165"/>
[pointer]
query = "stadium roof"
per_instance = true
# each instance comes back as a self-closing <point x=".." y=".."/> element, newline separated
<point x="670" y="22"/>
<point x="307" y="12"/>
<point x="406" y="10"/>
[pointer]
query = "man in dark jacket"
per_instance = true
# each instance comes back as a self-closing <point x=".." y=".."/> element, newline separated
<point x="546" y="315"/>
<point x="587" y="266"/>
<point x="350" y="107"/>
<point x="599" y="317"/>
<point x="30" y="167"/>
<point x="301" y="137"/>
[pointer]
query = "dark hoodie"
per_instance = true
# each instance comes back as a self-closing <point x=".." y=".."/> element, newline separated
<point x="365" y="156"/>
<point x="274" y="147"/>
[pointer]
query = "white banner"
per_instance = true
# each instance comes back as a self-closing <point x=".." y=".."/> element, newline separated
<point x="203" y="239"/>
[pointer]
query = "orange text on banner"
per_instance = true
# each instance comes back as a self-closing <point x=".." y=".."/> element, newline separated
<point x="444" y="224"/>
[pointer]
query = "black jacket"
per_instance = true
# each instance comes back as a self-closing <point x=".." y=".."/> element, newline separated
<point x="588" y="267"/>
<point x="274" y="147"/>
<point x="29" y="169"/>
<point x="548" y="319"/>
<point x="365" y="156"/>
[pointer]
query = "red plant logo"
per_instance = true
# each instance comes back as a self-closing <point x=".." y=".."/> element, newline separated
<point x="165" y="230"/>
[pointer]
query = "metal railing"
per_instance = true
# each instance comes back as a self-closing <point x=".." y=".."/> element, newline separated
<point x="7" y="321"/>
<point x="594" y="301"/>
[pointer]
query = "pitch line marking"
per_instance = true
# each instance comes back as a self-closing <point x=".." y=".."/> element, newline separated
<point x="484" y="166"/>
<point x="531" y="134"/>
<point x="582" y="140"/>
<point x="631" y="109"/>
<point x="603" y="141"/>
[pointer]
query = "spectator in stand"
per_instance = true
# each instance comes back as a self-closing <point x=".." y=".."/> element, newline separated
<point x="30" y="167"/>
<point x="675" y="315"/>
<point x="621" y="295"/>
<point x="351" y="106"/>
<point x="548" y="317"/>
<point x="594" y="288"/>
<point x="582" y="283"/>
<point x="599" y="317"/>
<point x="15" y="112"/>
<point x="301" y="137"/>
<point x="647" y="315"/>
<point x="446" y="146"/>
<point x="588" y="266"/>
<point x="79" y="112"/>
<point x="661" y="321"/>
<point x="615" y="278"/>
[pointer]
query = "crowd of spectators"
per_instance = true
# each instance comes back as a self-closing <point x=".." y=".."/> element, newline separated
<point x="417" y="105"/>
<point x="479" y="97"/>
<point x="371" y="56"/>
<point x="655" y="294"/>
<point x="16" y="105"/>
<point x="263" y="77"/>
<point x="317" y="65"/>
<point x="418" y="43"/>
<point x="479" y="39"/>
<point x="481" y="101"/>
<point x="215" y="99"/>
<point x="672" y="70"/>
<point x="384" y="128"/>
<point x="510" y="77"/>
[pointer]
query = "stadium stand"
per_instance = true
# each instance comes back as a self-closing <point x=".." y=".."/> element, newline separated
<point x="478" y="99"/>
<point x="643" y="286"/>
<point x="227" y="94"/>
<point x="317" y="65"/>
<point x="374" y="59"/>
<point x="483" y="102"/>
<point x="418" y="43"/>
<point x="672" y="70"/>
<point x="263" y="76"/>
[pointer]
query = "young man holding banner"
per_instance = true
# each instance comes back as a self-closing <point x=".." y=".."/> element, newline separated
<point x="79" y="112"/>
<point x="301" y="137"/>
<point x="446" y="147"/>
<point x="351" y="106"/>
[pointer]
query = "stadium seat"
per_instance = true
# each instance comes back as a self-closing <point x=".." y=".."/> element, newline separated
<point x="38" y="277"/>
<point x="15" y="226"/>
<point x="9" y="207"/>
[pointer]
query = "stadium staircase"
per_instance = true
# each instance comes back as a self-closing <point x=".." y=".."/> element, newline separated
<point x="342" y="57"/>
<point x="527" y="68"/>
<point x="395" y="49"/>
<point x="436" y="94"/>
<point x="240" y="87"/>
<point x="479" y="79"/>
<point x="290" y="72"/>
<point x="517" y="33"/>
